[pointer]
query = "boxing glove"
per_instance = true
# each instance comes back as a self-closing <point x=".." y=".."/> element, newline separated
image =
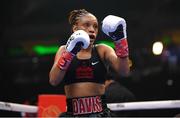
<point x="79" y="39"/>
<point x="115" y="27"/>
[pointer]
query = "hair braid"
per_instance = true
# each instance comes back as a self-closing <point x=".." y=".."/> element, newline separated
<point x="75" y="15"/>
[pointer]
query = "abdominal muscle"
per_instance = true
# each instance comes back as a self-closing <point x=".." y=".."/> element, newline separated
<point x="84" y="89"/>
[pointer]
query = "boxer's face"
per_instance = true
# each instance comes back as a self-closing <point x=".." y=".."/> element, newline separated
<point x="89" y="24"/>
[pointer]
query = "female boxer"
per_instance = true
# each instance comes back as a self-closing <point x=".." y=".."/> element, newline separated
<point x="82" y="64"/>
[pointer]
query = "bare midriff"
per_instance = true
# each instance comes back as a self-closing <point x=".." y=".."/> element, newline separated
<point x="84" y="89"/>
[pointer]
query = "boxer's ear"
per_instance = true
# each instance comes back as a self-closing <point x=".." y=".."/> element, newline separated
<point x="74" y="28"/>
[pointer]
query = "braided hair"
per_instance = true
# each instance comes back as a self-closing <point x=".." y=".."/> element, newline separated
<point x="75" y="15"/>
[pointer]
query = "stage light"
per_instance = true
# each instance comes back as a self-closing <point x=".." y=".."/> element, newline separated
<point x="157" y="48"/>
<point x="107" y="42"/>
<point x="45" y="50"/>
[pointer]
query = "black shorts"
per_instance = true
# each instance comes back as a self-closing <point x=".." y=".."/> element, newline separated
<point x="91" y="106"/>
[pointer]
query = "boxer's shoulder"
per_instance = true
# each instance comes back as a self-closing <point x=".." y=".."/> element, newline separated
<point x="103" y="49"/>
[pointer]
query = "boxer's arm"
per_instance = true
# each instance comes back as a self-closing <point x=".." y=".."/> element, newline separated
<point x="120" y="65"/>
<point x="56" y="75"/>
<point x="115" y="27"/>
<point x="79" y="39"/>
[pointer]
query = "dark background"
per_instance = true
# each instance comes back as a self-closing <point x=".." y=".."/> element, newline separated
<point x="26" y="23"/>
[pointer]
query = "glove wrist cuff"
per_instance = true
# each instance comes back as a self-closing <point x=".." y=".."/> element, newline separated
<point x="121" y="48"/>
<point x="65" y="60"/>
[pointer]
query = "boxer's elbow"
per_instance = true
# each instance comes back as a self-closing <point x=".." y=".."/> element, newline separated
<point x="125" y="72"/>
<point x="124" y="67"/>
<point x="53" y="80"/>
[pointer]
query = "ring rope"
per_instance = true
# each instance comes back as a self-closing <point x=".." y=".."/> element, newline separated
<point x="166" y="104"/>
<point x="18" y="107"/>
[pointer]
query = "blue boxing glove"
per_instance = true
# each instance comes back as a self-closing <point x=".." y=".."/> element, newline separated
<point x="115" y="27"/>
<point x="79" y="39"/>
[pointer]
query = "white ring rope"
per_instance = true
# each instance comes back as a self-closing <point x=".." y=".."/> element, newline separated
<point x="18" y="107"/>
<point x="168" y="104"/>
